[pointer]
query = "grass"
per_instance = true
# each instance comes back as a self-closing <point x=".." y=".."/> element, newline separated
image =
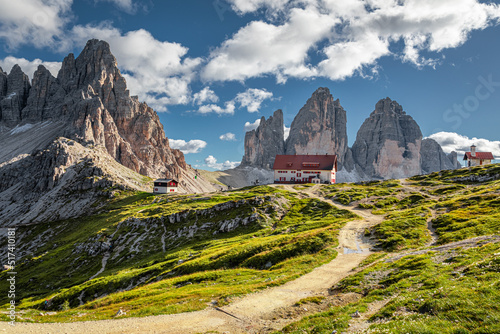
<point x="452" y="291"/>
<point x="460" y="204"/>
<point x="216" y="248"/>
<point x="180" y="253"/>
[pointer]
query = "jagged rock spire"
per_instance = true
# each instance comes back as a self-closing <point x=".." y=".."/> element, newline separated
<point x="264" y="143"/>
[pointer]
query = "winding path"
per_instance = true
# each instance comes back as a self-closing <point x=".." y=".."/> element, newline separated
<point x="249" y="314"/>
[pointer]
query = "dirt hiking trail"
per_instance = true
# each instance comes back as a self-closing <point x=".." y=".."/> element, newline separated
<point x="250" y="313"/>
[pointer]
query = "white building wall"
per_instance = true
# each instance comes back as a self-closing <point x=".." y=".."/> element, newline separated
<point x="164" y="190"/>
<point x="287" y="175"/>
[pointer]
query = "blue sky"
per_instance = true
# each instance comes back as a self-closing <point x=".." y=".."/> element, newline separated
<point x="210" y="67"/>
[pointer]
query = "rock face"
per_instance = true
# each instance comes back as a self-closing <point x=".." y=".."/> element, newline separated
<point x="434" y="159"/>
<point x="14" y="90"/>
<point x="88" y="103"/>
<point x="320" y="127"/>
<point x="388" y="143"/>
<point x="59" y="182"/>
<point x="264" y="143"/>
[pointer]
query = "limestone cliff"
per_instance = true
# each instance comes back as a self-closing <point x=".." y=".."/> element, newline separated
<point x="388" y="143"/>
<point x="264" y="143"/>
<point x="14" y="90"/>
<point x="320" y="127"/>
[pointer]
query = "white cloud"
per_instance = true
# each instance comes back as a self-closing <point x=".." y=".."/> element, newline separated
<point x="346" y="58"/>
<point x="158" y="72"/>
<point x="34" y="22"/>
<point x="252" y="98"/>
<point x="211" y="162"/>
<point x="29" y="67"/>
<point x="205" y="95"/>
<point x="451" y="141"/>
<point x="287" y="131"/>
<point x="125" y="5"/>
<point x="252" y="126"/>
<point x="192" y="146"/>
<point x="228" y="137"/>
<point x="213" y="108"/>
<point x="351" y="36"/>
<point x="262" y="48"/>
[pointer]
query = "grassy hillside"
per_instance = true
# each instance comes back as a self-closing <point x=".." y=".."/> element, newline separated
<point x="169" y="254"/>
<point x="161" y="254"/>
<point x="452" y="287"/>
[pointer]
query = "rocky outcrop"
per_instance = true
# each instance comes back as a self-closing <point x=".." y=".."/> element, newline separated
<point x="14" y="90"/>
<point x="388" y="143"/>
<point x="320" y="127"/>
<point x="62" y="181"/>
<point x="433" y="157"/>
<point x="264" y="143"/>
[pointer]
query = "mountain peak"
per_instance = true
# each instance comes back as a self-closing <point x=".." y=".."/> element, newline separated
<point x="389" y="106"/>
<point x="321" y="91"/>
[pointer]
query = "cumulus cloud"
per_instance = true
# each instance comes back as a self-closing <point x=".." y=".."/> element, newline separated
<point x="158" y="72"/>
<point x="351" y="36"/>
<point x="284" y="48"/>
<point x="205" y="95"/>
<point x="211" y="162"/>
<point x="192" y="146"/>
<point x="213" y="108"/>
<point x="29" y="66"/>
<point x="228" y="137"/>
<point x="34" y="22"/>
<point x="252" y="126"/>
<point x="451" y="141"/>
<point x="252" y="98"/>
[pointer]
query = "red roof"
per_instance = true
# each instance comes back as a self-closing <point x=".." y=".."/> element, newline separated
<point x="308" y="162"/>
<point x="479" y="156"/>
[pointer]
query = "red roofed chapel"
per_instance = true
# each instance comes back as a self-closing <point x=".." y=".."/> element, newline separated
<point x="474" y="158"/>
<point x="305" y="169"/>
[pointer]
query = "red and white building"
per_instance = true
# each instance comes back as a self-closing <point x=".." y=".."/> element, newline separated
<point x="305" y="169"/>
<point x="164" y="186"/>
<point x="474" y="158"/>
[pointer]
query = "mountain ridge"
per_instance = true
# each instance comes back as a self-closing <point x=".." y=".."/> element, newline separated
<point x="88" y="102"/>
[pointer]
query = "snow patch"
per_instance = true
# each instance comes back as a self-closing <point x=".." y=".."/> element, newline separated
<point x="22" y="128"/>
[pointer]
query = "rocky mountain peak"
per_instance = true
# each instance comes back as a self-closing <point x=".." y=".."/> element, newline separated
<point x="388" y="106"/>
<point x="14" y="90"/>
<point x="321" y="92"/>
<point x="388" y="143"/>
<point x="89" y="102"/>
<point x="320" y="127"/>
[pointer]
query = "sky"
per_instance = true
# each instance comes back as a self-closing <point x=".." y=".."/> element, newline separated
<point x="213" y="68"/>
